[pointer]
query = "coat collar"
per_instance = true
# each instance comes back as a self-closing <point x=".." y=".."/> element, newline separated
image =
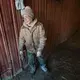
<point x="31" y="24"/>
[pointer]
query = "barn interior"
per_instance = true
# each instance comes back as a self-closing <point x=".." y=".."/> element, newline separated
<point x="61" y="20"/>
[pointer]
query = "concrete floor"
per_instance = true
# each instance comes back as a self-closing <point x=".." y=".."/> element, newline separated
<point x="63" y="63"/>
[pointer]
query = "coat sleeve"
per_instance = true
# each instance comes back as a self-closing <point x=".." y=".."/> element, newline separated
<point x="42" y="38"/>
<point x="21" y="40"/>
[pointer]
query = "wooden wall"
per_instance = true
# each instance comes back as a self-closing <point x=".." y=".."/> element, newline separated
<point x="60" y="19"/>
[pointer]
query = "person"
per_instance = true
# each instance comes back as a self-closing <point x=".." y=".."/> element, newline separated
<point x="32" y="35"/>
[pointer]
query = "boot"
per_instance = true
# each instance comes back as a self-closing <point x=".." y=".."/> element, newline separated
<point x="43" y="68"/>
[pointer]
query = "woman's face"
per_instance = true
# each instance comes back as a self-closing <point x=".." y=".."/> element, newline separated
<point x="27" y="19"/>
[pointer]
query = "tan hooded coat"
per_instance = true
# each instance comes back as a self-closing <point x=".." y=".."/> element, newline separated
<point x="32" y="37"/>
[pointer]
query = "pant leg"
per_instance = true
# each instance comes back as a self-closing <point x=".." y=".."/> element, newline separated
<point x="41" y="60"/>
<point x="31" y="62"/>
<point x="42" y="64"/>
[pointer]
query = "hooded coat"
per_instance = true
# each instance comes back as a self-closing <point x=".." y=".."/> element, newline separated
<point x="32" y="36"/>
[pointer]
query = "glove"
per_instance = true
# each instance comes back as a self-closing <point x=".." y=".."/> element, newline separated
<point x="38" y="54"/>
<point x="21" y="55"/>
